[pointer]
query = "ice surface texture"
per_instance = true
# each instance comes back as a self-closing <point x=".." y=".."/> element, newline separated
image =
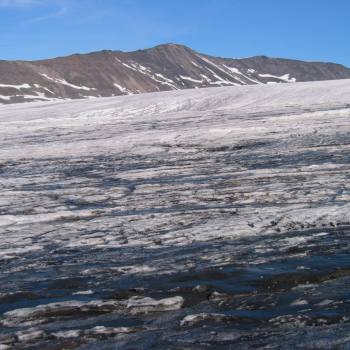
<point x="181" y="219"/>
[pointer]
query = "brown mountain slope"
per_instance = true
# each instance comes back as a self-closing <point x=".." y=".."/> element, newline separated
<point x="164" y="67"/>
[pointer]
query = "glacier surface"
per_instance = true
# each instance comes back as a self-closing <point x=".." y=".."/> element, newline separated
<point x="186" y="219"/>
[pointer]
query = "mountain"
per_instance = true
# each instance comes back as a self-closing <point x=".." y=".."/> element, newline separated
<point x="164" y="67"/>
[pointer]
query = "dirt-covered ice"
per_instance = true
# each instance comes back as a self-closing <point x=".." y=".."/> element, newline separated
<point x="213" y="218"/>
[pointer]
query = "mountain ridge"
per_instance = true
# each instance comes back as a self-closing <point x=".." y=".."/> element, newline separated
<point x="161" y="68"/>
<point x="174" y="44"/>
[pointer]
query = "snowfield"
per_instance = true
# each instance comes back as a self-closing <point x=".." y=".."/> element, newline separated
<point x="136" y="220"/>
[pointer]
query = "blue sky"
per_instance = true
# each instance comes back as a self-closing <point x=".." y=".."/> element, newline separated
<point x="303" y="29"/>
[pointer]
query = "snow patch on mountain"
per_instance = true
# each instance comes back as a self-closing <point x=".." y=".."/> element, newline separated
<point x="18" y="87"/>
<point x="285" y="77"/>
<point x="122" y="89"/>
<point x="191" y="79"/>
<point x="64" y="82"/>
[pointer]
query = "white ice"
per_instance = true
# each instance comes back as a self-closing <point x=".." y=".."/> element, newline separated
<point x="196" y="162"/>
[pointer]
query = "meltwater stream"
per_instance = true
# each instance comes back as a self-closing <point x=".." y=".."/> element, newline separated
<point x="271" y="292"/>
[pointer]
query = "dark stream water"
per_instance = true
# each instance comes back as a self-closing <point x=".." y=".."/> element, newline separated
<point x="275" y="293"/>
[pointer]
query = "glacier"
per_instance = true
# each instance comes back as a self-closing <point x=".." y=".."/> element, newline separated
<point x="184" y="219"/>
